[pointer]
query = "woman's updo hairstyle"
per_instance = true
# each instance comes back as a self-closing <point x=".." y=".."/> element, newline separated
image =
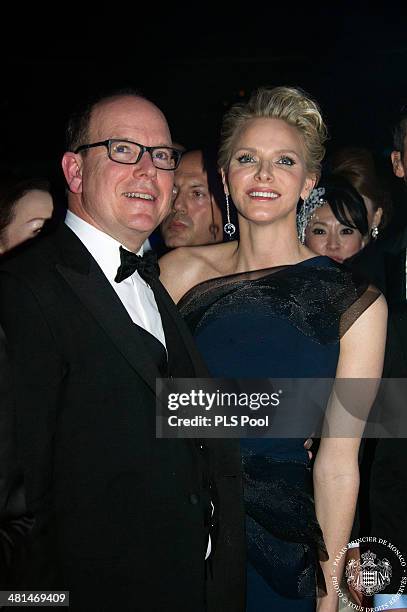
<point x="290" y="104"/>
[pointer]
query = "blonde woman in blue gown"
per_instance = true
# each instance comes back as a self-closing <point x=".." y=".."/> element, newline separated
<point x="267" y="306"/>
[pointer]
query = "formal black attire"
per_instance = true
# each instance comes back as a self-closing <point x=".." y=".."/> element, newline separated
<point x="121" y="518"/>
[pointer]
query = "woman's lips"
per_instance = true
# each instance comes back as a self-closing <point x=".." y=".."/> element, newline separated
<point x="263" y="194"/>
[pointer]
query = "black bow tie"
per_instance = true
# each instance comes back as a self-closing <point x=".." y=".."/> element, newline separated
<point x="146" y="266"/>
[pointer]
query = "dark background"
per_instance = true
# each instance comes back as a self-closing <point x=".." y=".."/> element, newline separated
<point x="194" y="60"/>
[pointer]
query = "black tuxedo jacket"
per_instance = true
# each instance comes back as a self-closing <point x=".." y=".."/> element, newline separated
<point x="121" y="519"/>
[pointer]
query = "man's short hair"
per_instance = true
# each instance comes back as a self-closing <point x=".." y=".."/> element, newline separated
<point x="77" y="127"/>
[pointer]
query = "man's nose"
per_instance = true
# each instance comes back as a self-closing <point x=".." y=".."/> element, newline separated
<point x="179" y="204"/>
<point x="145" y="165"/>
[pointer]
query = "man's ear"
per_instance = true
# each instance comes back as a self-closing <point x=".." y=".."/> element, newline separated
<point x="309" y="185"/>
<point x="72" y="168"/>
<point x="398" y="168"/>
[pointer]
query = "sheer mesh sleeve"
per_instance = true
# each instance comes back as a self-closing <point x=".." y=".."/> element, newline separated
<point x="357" y="308"/>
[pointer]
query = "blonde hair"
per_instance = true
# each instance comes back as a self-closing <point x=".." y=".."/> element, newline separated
<point x="287" y="103"/>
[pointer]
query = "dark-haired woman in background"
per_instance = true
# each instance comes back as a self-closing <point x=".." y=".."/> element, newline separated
<point x="25" y="205"/>
<point x="356" y="165"/>
<point x="336" y="220"/>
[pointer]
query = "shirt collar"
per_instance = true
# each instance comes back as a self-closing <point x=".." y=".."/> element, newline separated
<point x="103" y="248"/>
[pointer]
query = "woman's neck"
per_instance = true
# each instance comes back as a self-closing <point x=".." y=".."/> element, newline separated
<point x="267" y="246"/>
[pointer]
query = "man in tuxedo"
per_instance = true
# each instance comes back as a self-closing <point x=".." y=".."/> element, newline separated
<point x="122" y="520"/>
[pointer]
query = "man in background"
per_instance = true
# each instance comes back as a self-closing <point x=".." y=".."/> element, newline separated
<point x="195" y="217"/>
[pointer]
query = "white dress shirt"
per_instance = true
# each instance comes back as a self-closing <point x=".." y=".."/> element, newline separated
<point x="134" y="293"/>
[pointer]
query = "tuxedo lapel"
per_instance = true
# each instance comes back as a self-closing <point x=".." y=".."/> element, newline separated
<point x="86" y="279"/>
<point x="182" y="354"/>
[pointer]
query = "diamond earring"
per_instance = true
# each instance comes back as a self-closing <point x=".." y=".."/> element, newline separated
<point x="229" y="228"/>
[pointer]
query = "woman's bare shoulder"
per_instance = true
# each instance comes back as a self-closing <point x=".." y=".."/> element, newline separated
<point x="185" y="267"/>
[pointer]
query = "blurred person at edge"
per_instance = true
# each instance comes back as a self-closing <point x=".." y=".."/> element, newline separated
<point x="25" y="205"/>
<point x="395" y="248"/>
<point x="195" y="217"/>
<point x="337" y="220"/>
<point x="386" y="265"/>
<point x="383" y="262"/>
<point x="388" y="478"/>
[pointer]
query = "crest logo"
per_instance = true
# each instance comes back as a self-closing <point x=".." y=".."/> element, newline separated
<point x="367" y="575"/>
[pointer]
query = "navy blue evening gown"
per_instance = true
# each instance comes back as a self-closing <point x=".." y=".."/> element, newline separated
<point x="281" y="322"/>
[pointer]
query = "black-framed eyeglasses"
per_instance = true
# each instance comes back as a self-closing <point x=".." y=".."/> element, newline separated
<point x="128" y="152"/>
